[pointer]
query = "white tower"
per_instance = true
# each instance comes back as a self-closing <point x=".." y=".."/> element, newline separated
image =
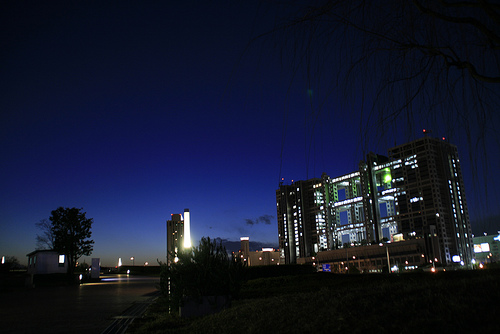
<point x="187" y="229"/>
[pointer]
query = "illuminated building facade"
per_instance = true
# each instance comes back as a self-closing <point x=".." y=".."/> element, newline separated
<point x="299" y="207"/>
<point x="431" y="198"/>
<point x="416" y="192"/>
<point x="178" y="234"/>
<point x="264" y="257"/>
<point x="487" y="249"/>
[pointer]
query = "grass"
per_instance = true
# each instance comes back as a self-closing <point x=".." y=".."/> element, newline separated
<point x="462" y="301"/>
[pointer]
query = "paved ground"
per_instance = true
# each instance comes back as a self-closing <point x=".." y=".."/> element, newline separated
<point x="88" y="308"/>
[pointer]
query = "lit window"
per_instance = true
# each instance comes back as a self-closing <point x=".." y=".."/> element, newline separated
<point x="61" y="260"/>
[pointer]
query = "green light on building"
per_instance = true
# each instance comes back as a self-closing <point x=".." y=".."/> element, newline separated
<point x="387" y="176"/>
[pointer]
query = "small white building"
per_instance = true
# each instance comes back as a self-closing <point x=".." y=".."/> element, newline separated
<point x="47" y="262"/>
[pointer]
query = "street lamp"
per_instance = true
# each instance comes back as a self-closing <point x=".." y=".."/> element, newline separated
<point x="133" y="260"/>
<point x="387" y="253"/>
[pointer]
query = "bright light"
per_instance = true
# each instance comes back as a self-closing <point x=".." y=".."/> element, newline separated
<point x="146" y="263"/>
<point x="387" y="176"/>
<point x="3" y="259"/>
<point x="176" y="259"/>
<point x="61" y="259"/>
<point x="187" y="229"/>
<point x="485" y="247"/>
<point x="481" y="266"/>
<point x="132" y="258"/>
<point x="433" y="269"/>
<point x="244" y="238"/>
<point x="455" y="258"/>
<point x="80" y="277"/>
<point x="119" y="262"/>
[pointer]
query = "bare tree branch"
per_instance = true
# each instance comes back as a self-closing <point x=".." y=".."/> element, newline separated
<point x="45" y="240"/>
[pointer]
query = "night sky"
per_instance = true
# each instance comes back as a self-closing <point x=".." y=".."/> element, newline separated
<point x="135" y="111"/>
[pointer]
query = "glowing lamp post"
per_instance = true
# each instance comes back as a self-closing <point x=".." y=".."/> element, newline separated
<point x="133" y="260"/>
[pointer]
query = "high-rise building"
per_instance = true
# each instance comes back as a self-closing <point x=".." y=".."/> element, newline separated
<point x="431" y="200"/>
<point x="417" y="192"/>
<point x="178" y="235"/>
<point x="298" y="206"/>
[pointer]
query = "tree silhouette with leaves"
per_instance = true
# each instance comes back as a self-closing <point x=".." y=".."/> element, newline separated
<point x="71" y="230"/>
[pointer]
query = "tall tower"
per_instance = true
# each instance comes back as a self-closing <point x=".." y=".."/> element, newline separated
<point x="178" y="234"/>
<point x="431" y="202"/>
<point x="301" y="221"/>
<point x="187" y="229"/>
<point x="175" y="236"/>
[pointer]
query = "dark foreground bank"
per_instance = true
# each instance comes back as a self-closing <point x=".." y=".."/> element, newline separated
<point x="459" y="301"/>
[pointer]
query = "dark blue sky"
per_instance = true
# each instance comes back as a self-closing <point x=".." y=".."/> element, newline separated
<point x="134" y="111"/>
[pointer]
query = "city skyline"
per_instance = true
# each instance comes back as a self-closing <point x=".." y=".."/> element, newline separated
<point x="136" y="112"/>
<point x="415" y="194"/>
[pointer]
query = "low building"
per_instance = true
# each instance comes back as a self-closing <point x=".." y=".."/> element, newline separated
<point x="47" y="262"/>
<point x="398" y="256"/>
<point x="486" y="248"/>
<point x="264" y="257"/>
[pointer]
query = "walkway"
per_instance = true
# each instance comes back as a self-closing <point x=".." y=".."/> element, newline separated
<point x="88" y="308"/>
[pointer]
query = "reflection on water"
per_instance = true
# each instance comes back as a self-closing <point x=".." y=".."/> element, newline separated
<point x="121" y="278"/>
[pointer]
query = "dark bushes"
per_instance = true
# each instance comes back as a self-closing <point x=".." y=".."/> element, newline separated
<point x="206" y="270"/>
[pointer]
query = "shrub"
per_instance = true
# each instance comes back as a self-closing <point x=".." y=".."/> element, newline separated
<point x="206" y="270"/>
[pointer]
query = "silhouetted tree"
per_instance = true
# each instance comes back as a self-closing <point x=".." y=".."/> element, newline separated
<point x="10" y="263"/>
<point x="45" y="240"/>
<point x="72" y="230"/>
